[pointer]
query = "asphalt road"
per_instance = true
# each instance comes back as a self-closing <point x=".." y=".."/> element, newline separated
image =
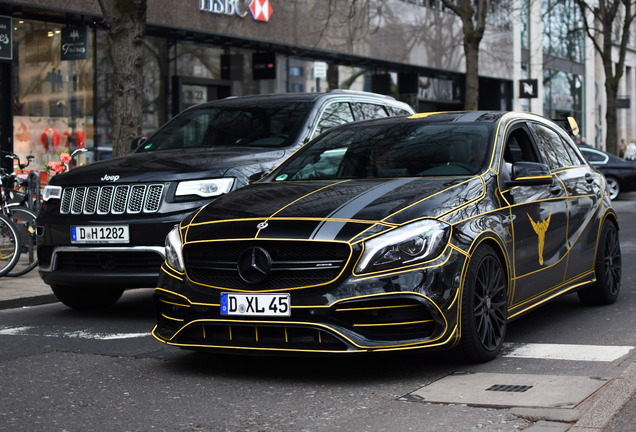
<point x="65" y="370"/>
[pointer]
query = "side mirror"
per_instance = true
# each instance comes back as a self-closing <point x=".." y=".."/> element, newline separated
<point x="529" y="174"/>
<point x="135" y="143"/>
<point x="256" y="176"/>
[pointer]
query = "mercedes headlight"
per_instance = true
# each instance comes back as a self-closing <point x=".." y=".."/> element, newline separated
<point x="205" y="188"/>
<point x="419" y="241"/>
<point x="174" y="255"/>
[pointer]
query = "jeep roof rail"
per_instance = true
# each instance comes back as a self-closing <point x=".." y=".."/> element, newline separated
<point x="361" y="93"/>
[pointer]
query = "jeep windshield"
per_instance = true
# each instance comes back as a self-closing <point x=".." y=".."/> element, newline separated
<point x="270" y="124"/>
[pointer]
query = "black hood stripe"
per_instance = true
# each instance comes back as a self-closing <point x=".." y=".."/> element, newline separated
<point x="329" y="229"/>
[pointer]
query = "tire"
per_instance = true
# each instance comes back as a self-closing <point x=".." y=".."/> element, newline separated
<point x="24" y="220"/>
<point x="484" y="306"/>
<point x="85" y="297"/>
<point x="607" y="269"/>
<point x="614" y="188"/>
<point x="10" y="245"/>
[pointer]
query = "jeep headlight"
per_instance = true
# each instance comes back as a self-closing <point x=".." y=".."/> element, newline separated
<point x="174" y="255"/>
<point x="205" y="188"/>
<point x="419" y="241"/>
<point x="51" y="192"/>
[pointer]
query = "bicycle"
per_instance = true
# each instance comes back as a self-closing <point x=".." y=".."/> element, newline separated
<point x="10" y="245"/>
<point x="14" y="206"/>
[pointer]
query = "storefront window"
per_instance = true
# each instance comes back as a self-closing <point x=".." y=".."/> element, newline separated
<point x="52" y="97"/>
<point x="563" y="95"/>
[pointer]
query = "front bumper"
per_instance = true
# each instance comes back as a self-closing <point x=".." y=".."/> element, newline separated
<point x="128" y="267"/>
<point x="408" y="310"/>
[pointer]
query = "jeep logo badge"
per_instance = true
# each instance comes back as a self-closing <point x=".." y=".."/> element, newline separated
<point x="112" y="178"/>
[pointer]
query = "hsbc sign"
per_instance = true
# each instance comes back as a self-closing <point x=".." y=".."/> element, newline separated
<point x="261" y="10"/>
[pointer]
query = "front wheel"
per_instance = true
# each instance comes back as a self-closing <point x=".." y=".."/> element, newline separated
<point x="607" y="269"/>
<point x="484" y="306"/>
<point x="86" y="297"/>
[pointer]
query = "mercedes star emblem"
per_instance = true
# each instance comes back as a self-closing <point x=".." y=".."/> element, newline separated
<point x="254" y="265"/>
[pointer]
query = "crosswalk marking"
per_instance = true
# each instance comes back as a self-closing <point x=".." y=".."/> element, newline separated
<point x="600" y="353"/>
<point x="79" y="334"/>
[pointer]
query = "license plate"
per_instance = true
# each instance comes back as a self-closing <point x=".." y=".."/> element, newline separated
<point x="255" y="304"/>
<point x="100" y="234"/>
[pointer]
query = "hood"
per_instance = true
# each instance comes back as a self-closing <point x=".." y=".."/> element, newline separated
<point x="338" y="211"/>
<point x="171" y="165"/>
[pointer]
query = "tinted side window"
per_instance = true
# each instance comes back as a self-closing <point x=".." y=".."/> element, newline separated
<point x="369" y="111"/>
<point x="574" y="156"/>
<point x="593" y="156"/>
<point x="551" y="147"/>
<point x="395" y="111"/>
<point x="335" y="114"/>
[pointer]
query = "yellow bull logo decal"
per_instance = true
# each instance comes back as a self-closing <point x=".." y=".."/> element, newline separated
<point x="540" y="228"/>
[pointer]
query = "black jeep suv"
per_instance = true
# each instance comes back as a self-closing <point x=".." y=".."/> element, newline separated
<point x="102" y="227"/>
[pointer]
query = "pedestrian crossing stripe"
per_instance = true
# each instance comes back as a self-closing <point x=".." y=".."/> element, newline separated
<point x="599" y="353"/>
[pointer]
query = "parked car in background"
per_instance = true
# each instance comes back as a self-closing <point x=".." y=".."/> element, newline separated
<point x="103" y="226"/>
<point x="620" y="174"/>
<point x="428" y="231"/>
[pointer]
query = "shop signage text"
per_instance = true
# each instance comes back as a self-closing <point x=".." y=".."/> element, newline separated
<point x="74" y="43"/>
<point x="261" y="10"/>
<point x="528" y="88"/>
<point x="6" y="44"/>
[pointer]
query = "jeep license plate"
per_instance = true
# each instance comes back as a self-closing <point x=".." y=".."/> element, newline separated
<point x="100" y="234"/>
<point x="255" y="304"/>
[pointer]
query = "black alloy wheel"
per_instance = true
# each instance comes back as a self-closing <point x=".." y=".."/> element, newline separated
<point x="484" y="306"/>
<point x="607" y="269"/>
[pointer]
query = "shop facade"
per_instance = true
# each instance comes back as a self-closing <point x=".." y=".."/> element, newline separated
<point x="56" y="80"/>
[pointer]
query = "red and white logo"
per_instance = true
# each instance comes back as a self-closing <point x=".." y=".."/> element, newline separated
<point x="261" y="10"/>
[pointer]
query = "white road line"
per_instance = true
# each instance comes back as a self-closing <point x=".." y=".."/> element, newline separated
<point x="79" y="334"/>
<point x="600" y="353"/>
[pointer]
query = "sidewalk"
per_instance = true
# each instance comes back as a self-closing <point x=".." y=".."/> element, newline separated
<point x="612" y="410"/>
<point x="25" y="290"/>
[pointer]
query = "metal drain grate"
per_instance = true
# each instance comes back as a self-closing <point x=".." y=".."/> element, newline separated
<point x="509" y="388"/>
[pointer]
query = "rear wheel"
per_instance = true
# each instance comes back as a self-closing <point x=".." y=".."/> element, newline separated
<point x="85" y="297"/>
<point x="614" y="188"/>
<point x="607" y="268"/>
<point x="484" y="306"/>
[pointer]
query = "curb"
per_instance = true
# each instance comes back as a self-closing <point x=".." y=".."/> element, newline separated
<point x="608" y="403"/>
<point x="28" y="301"/>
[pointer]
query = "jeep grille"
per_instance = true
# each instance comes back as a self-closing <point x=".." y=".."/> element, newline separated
<point x="120" y="199"/>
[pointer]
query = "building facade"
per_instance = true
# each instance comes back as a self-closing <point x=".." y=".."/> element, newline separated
<point x="55" y="70"/>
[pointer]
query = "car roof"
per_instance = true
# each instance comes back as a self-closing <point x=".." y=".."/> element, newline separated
<point x="302" y="97"/>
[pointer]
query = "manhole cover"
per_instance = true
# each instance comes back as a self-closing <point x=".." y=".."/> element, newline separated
<point x="508" y="390"/>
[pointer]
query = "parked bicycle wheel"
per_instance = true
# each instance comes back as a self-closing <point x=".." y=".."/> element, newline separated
<point x="24" y="220"/>
<point x="10" y="245"/>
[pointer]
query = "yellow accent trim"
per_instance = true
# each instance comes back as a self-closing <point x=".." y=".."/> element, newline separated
<point x="393" y="324"/>
<point x="375" y="308"/>
<point x="173" y="303"/>
<point x="557" y="294"/>
<point x="172" y="319"/>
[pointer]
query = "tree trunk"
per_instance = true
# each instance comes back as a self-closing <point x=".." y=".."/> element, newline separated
<point x="126" y="25"/>
<point x="471" y="101"/>
<point x="611" y="137"/>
